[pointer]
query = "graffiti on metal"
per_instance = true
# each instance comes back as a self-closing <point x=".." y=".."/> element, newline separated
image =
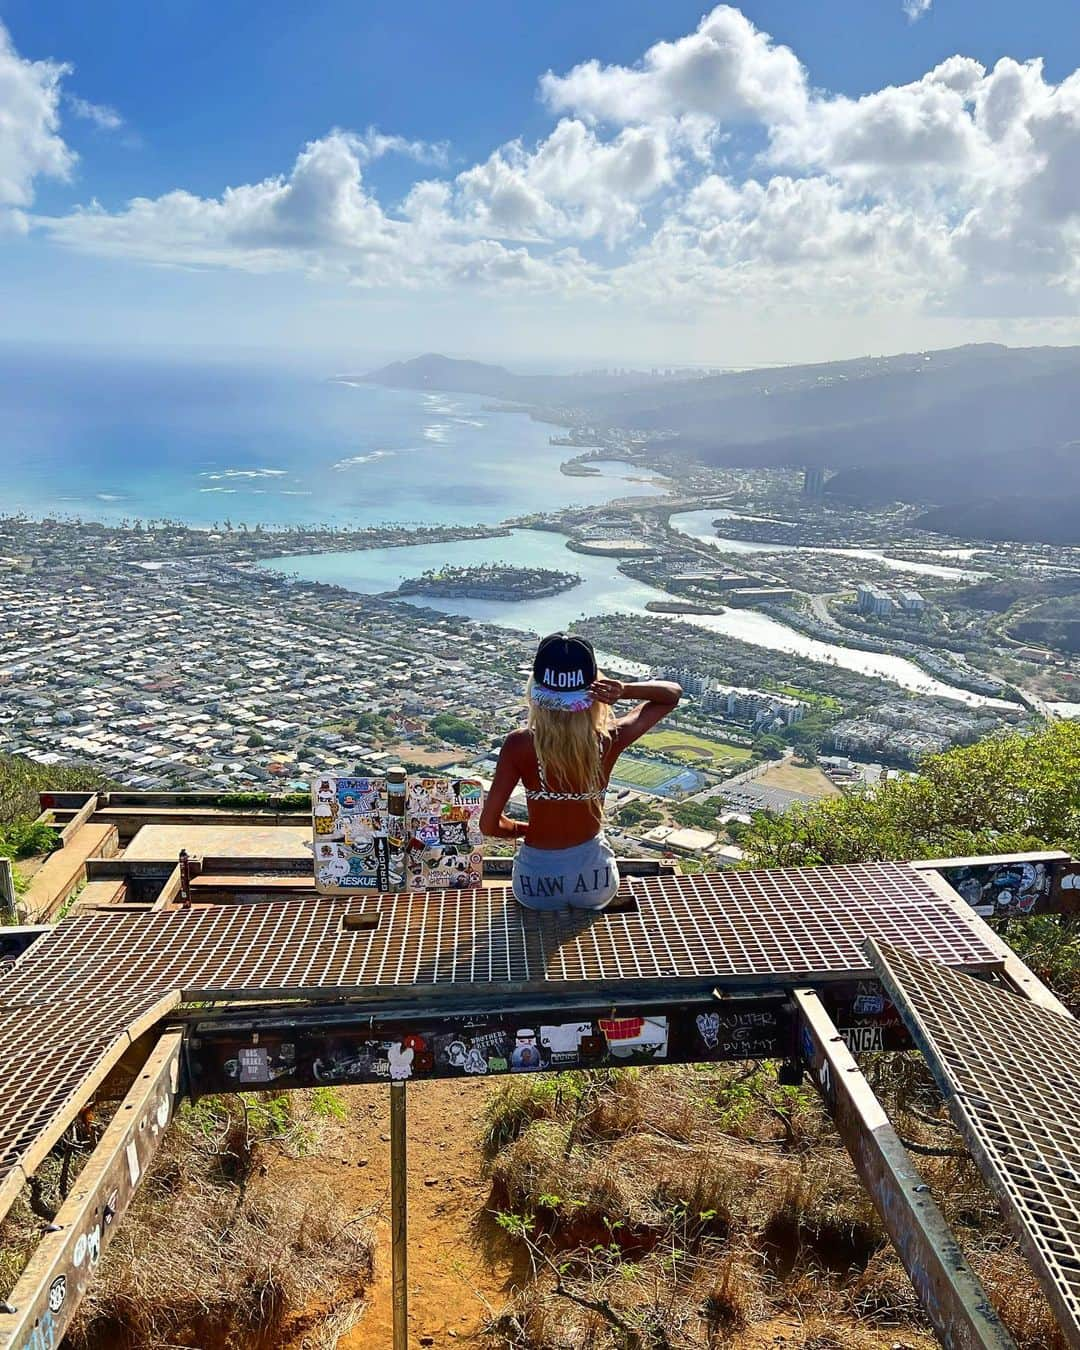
<point x="1003" y="889"/>
<point x="443" y="1048"/>
<point x="46" y="1296"/>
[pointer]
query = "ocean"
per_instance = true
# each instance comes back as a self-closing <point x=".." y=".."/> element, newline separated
<point x="111" y="440"/>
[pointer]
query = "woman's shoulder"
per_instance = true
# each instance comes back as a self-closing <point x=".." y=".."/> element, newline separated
<point x="518" y="742"/>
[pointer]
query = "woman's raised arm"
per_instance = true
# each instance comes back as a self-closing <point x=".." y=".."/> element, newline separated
<point x="658" y="698"/>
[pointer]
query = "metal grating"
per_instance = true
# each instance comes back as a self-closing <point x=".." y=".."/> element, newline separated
<point x="1010" y="1073"/>
<point x="66" y="1003"/>
<point x="803" y="923"/>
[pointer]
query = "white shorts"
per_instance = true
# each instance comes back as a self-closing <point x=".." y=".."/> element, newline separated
<point x="583" y="877"/>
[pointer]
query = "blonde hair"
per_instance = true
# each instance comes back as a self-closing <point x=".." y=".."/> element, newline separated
<point x="571" y="745"/>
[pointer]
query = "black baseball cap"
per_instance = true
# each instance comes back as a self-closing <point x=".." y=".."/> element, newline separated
<point x="564" y="668"/>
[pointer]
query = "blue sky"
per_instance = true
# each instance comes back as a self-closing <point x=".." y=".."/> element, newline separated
<point x="782" y="180"/>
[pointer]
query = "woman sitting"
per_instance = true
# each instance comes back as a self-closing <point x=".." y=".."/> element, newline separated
<point x="565" y="759"/>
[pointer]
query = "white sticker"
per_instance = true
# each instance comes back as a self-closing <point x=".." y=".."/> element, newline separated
<point x="254" y="1064"/>
<point x="79" y="1255"/>
<point x="134" y="1169"/>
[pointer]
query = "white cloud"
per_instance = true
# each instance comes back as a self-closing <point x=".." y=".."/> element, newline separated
<point x="789" y="245"/>
<point x="919" y="129"/>
<point x="573" y="184"/>
<point x="320" y="219"/>
<point x="915" y="9"/>
<point x="102" y="116"/>
<point x="708" y="172"/>
<point x="373" y="144"/>
<point x="30" y="143"/>
<point x="321" y="211"/>
<point x="727" y="70"/>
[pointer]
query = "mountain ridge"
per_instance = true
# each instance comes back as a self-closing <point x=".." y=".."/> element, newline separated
<point x="979" y="428"/>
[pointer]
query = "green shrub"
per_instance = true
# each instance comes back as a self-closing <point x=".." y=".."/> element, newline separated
<point x="1003" y="795"/>
<point x="28" y="839"/>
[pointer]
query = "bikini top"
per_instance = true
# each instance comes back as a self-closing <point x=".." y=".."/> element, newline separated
<point x="544" y="794"/>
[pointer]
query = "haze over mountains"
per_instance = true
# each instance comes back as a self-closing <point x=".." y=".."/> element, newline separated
<point x="475" y="377"/>
<point x="986" y="436"/>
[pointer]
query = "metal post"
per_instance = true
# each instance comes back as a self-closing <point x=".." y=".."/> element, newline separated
<point x="399" y="1215"/>
<point x="8" y="910"/>
<point x="185" y="878"/>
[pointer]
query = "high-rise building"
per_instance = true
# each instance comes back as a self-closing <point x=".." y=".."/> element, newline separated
<point x="813" y="483"/>
<point x="873" y="600"/>
<point x="912" y="601"/>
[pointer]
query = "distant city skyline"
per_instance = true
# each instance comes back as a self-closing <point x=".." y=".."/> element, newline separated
<point x="638" y="183"/>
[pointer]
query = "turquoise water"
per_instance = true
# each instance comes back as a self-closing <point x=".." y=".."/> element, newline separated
<point x="118" y="440"/>
<point x="603" y="590"/>
<point x="109" y="441"/>
<point x="699" y="525"/>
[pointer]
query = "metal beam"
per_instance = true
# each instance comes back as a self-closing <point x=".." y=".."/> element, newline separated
<point x="51" y="1132"/>
<point x="43" y="1302"/>
<point x="1009" y="1072"/>
<point x="1022" y="979"/>
<point x="399" y="1214"/>
<point x="291" y="1047"/>
<point x="9" y="908"/>
<point x="952" y="1297"/>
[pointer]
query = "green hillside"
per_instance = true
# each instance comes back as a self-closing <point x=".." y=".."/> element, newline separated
<point x="1008" y="794"/>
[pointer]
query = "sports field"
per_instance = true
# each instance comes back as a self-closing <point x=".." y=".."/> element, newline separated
<point x="641" y="772"/>
<point x="697" y="751"/>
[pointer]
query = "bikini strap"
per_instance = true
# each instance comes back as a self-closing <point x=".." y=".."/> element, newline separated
<point x="545" y="793"/>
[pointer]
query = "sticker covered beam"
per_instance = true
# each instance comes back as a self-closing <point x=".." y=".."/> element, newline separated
<point x="1010" y="886"/>
<point x="244" y="1049"/>
<point x="43" y="1302"/>
<point x="951" y="1295"/>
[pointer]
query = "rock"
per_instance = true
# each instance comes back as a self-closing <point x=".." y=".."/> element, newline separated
<point x="427" y="1340"/>
<point x="431" y="1181"/>
<point x="361" y="1162"/>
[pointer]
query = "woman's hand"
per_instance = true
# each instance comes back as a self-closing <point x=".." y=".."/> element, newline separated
<point x="607" y="691"/>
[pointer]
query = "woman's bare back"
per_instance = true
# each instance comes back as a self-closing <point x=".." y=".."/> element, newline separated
<point x="554" y="821"/>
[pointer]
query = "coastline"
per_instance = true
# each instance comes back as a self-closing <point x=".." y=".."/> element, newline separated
<point x="753" y="629"/>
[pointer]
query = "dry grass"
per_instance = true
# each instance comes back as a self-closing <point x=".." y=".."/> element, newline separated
<point x="674" y="1209"/>
<point x="800" y="778"/>
<point x="335" y="1325"/>
<point x="216" y="1253"/>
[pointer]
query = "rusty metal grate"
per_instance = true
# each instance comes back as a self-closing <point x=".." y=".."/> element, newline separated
<point x="802" y="923"/>
<point x="1010" y="1073"/>
<point x="68" y="1000"/>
